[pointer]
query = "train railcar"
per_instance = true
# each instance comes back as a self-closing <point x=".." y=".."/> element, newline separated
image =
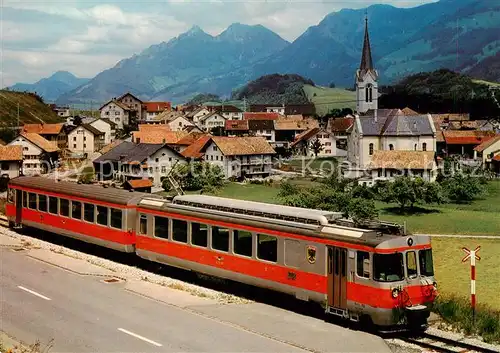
<point x="310" y="254"/>
<point x="98" y="215"/>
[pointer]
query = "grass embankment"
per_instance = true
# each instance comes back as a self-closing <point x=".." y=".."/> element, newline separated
<point x="31" y="110"/>
<point x="325" y="99"/>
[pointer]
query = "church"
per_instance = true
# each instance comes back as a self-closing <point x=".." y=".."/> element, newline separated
<point x="385" y="143"/>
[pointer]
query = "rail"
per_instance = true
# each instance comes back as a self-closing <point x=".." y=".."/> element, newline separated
<point x="446" y="345"/>
<point x="3" y="221"/>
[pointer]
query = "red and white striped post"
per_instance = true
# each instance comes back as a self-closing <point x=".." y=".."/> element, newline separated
<point x="472" y="254"/>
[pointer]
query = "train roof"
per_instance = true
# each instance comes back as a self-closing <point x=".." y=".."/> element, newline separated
<point x="94" y="192"/>
<point x="302" y="215"/>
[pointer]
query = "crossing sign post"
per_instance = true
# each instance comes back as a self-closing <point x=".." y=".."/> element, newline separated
<point x="473" y="256"/>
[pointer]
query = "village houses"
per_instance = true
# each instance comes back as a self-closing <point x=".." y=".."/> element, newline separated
<point x="107" y="127"/>
<point x="39" y="155"/>
<point x="11" y="161"/>
<point x="211" y="120"/>
<point x="487" y="151"/>
<point x="151" y="110"/>
<point x="117" y="112"/>
<point x="53" y="133"/>
<point x="85" y="139"/>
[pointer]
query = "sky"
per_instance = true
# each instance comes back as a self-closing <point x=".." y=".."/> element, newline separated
<point x="84" y="37"/>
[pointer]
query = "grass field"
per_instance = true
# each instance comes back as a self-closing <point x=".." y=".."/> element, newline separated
<point x="325" y="99"/>
<point x="314" y="165"/>
<point x="453" y="276"/>
<point x="479" y="218"/>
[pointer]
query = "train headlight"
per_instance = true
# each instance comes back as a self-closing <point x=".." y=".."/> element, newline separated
<point x="435" y="285"/>
<point x="395" y="293"/>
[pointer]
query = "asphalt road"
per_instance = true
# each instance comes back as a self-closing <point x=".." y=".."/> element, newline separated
<point x="82" y="314"/>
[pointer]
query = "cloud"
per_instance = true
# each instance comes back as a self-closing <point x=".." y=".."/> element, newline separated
<point x="39" y="38"/>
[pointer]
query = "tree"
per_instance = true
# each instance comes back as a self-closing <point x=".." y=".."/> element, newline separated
<point x="332" y="85"/>
<point x="283" y="152"/>
<point x="316" y="146"/>
<point x="463" y="188"/>
<point x="362" y="209"/>
<point x="77" y="120"/>
<point x="204" y="97"/>
<point x="404" y="191"/>
<point x="197" y="176"/>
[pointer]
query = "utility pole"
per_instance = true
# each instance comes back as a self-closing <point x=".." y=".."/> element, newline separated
<point x="17" y="118"/>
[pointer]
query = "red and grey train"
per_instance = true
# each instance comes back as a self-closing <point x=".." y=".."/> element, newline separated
<point x="313" y="255"/>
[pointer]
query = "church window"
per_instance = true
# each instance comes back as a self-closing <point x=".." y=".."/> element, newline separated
<point x="424" y="147"/>
<point x="415" y="147"/>
<point x="391" y="147"/>
<point x="371" y="149"/>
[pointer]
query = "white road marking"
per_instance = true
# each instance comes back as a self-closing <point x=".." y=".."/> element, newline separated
<point x="33" y="292"/>
<point x="140" y="337"/>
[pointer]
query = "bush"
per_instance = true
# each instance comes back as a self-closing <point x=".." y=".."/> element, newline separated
<point x="457" y="312"/>
<point x="197" y="176"/>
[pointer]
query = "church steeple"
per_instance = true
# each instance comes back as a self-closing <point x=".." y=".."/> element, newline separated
<point x="366" y="78"/>
<point x="366" y="58"/>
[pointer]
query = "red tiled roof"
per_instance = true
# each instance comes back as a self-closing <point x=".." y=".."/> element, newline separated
<point x="306" y="135"/>
<point x="340" y="124"/>
<point x="158" y="136"/>
<point x="241" y="146"/>
<point x="496" y="158"/>
<point x="189" y="139"/>
<point x="466" y="137"/>
<point x="261" y="116"/>
<point x="157" y="106"/>
<point x="237" y="125"/>
<point x="39" y="141"/>
<point x="139" y="183"/>
<point x="195" y="149"/>
<point x="43" y="129"/>
<point x="11" y="153"/>
<point x="153" y="127"/>
<point x="487" y="143"/>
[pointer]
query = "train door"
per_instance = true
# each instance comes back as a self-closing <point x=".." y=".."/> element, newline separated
<point x="19" y="206"/>
<point x="337" y="277"/>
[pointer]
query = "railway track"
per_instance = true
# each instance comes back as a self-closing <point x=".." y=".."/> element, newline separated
<point x="435" y="343"/>
<point x="3" y="221"/>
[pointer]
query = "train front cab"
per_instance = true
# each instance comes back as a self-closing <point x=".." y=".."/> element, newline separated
<point x="14" y="207"/>
<point x="392" y="285"/>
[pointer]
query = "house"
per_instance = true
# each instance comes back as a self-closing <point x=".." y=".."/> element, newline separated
<point x="463" y="142"/>
<point x="307" y="109"/>
<point x="106" y="126"/>
<point x="488" y="150"/>
<point x="262" y="128"/>
<point x="388" y="130"/>
<point x="157" y="134"/>
<point x="261" y="116"/>
<point x="137" y="161"/>
<point x="193" y="128"/>
<point x="175" y="120"/>
<point x="63" y="112"/>
<point x="53" y="133"/>
<point x="85" y="139"/>
<point x="279" y="110"/>
<point x="196" y="114"/>
<point x="11" y="161"/>
<point x="134" y="104"/>
<point x="386" y="165"/>
<point x="303" y="144"/>
<point x="209" y="121"/>
<point x="39" y="155"/>
<point x="286" y="130"/>
<point x="186" y="141"/>
<point x="151" y="110"/>
<point x="237" y="127"/>
<point x="340" y="128"/>
<point x="240" y="156"/>
<point x="231" y="112"/>
<point x="116" y="112"/>
<point x="139" y="185"/>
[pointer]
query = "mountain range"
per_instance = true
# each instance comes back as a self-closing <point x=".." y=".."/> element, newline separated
<point x="461" y="35"/>
<point x="51" y="88"/>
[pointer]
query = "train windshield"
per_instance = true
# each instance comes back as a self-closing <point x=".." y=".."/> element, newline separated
<point x="388" y="267"/>
<point x="426" y="265"/>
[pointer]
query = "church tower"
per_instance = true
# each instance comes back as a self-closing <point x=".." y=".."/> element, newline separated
<point x="366" y="79"/>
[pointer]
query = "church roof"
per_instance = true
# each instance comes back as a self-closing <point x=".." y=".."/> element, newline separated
<point x="395" y="123"/>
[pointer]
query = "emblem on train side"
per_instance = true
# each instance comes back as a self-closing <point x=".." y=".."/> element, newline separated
<point x="311" y="254"/>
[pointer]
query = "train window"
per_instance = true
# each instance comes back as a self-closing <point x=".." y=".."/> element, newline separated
<point x="32" y="201"/>
<point x="10" y="195"/>
<point x="220" y="238"/>
<point x="116" y="218"/>
<point x="425" y="259"/>
<point x="76" y="210"/>
<point x="388" y="267"/>
<point x="143" y="224"/>
<point x="25" y="199"/>
<point x="64" y="207"/>
<point x="242" y="242"/>
<point x="53" y="205"/>
<point x="199" y="234"/>
<point x="161" y="227"/>
<point x="363" y="264"/>
<point x="411" y="264"/>
<point x="102" y="215"/>
<point x="267" y="247"/>
<point x="42" y="203"/>
<point x="88" y="212"/>
<point x="179" y="230"/>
